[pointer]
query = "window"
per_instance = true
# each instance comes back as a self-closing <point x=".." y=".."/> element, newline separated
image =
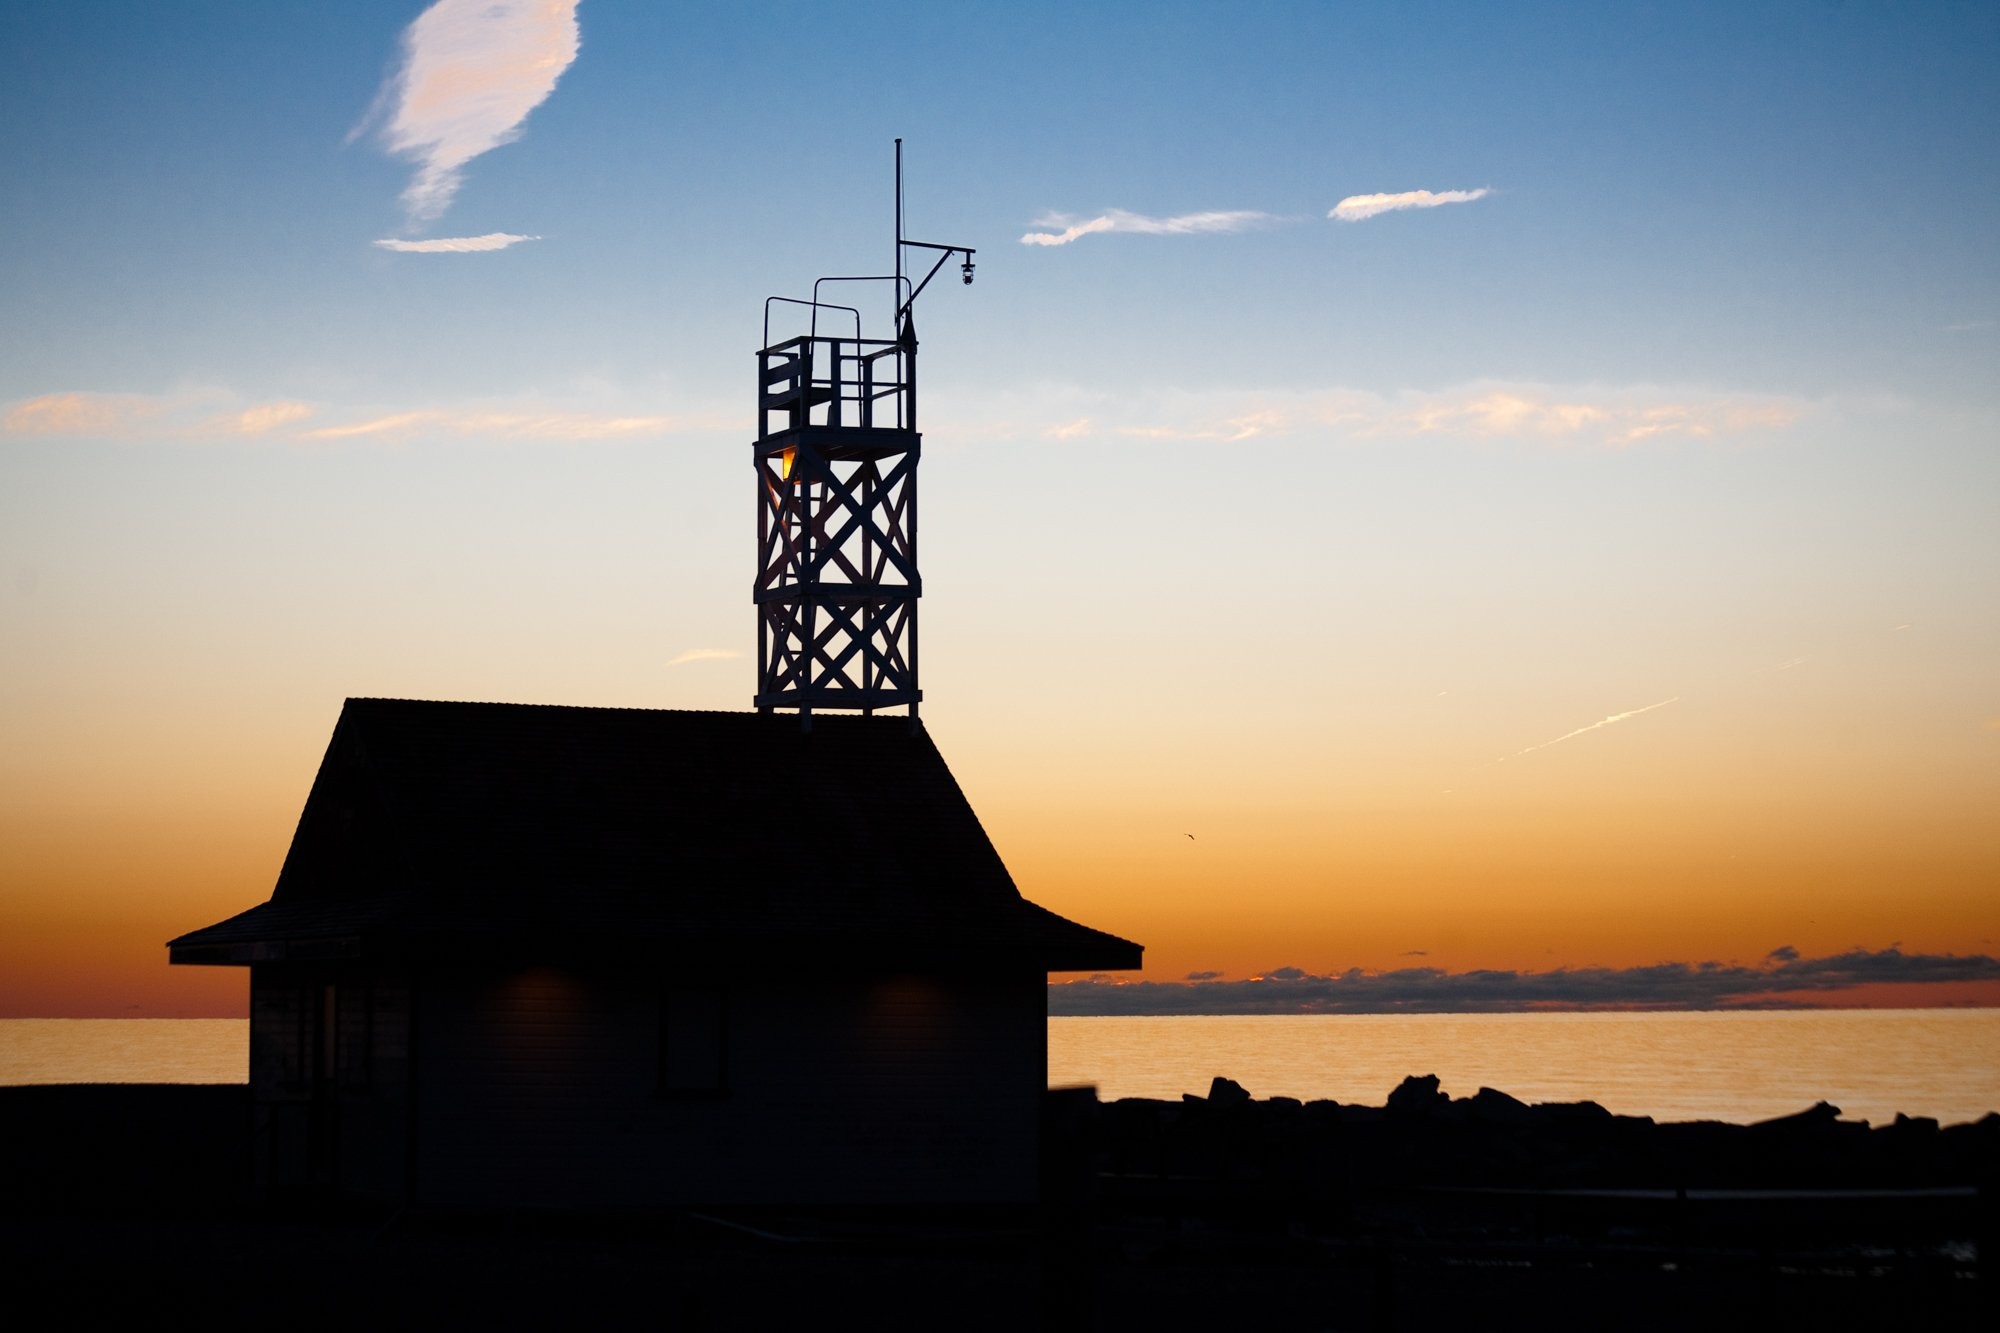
<point x="694" y="1041"/>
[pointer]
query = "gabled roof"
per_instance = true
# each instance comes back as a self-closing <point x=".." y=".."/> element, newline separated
<point x="465" y="829"/>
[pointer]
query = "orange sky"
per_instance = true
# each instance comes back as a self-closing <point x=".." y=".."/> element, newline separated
<point x="1579" y="855"/>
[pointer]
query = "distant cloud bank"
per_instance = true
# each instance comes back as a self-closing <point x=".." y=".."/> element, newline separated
<point x="1782" y="980"/>
<point x="457" y="245"/>
<point x="471" y="72"/>
<point x="1358" y="206"/>
<point x="1069" y="228"/>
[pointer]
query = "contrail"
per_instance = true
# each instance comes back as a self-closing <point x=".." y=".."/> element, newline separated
<point x="1602" y="722"/>
<point x="1785" y="665"/>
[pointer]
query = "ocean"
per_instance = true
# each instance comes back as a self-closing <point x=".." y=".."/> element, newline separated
<point x="1872" y="1064"/>
<point x="1738" y="1067"/>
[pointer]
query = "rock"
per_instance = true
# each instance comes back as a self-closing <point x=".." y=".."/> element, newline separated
<point x="1817" y="1116"/>
<point x="1227" y="1092"/>
<point x="1572" y="1113"/>
<point x="1417" y="1096"/>
<point x="1496" y="1107"/>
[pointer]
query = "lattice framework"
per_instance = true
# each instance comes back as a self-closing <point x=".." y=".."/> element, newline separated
<point x="837" y="580"/>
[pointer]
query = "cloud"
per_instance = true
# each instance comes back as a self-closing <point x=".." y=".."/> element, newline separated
<point x="1117" y="219"/>
<point x="457" y="245"/>
<point x="1063" y="228"/>
<point x="263" y="418"/>
<point x="1601" y="722"/>
<point x="1778" y="982"/>
<point x="210" y="414"/>
<point x="704" y="655"/>
<point x="472" y="70"/>
<point x="126" y="416"/>
<point x="500" y="425"/>
<point x="1358" y="206"/>
<point x="1610" y="416"/>
<point x="101" y="414"/>
<point x="394" y="423"/>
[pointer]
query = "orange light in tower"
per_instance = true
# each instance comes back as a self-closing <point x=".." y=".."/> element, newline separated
<point x="785" y="464"/>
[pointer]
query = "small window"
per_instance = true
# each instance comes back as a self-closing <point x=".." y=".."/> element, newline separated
<point x="694" y="1041"/>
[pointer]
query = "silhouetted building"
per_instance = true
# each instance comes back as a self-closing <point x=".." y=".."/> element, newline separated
<point x="628" y="958"/>
<point x="618" y="958"/>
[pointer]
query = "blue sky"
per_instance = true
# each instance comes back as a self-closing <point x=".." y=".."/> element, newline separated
<point x="1231" y="505"/>
<point x="1772" y="199"/>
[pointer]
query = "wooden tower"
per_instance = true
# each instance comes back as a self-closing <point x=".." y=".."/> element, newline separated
<point x="836" y="458"/>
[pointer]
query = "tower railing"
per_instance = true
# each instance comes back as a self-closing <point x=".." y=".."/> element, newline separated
<point x="835" y="383"/>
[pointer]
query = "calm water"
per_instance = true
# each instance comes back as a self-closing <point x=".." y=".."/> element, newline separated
<point x="124" y="1050"/>
<point x="1738" y="1067"/>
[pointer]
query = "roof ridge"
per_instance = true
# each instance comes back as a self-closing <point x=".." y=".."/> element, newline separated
<point x="839" y="718"/>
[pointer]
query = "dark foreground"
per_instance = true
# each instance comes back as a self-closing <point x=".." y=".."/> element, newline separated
<point x="1480" y="1213"/>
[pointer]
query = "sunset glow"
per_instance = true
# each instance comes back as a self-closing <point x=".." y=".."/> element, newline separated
<point x="1378" y="513"/>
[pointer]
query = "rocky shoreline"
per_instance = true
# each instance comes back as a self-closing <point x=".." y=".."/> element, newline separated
<point x="1190" y="1213"/>
<point x="1421" y="1137"/>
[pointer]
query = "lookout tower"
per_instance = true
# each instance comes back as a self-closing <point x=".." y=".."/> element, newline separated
<point x="836" y="458"/>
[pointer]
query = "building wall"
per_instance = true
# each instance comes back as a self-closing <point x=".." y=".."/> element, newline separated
<point x="329" y="1077"/>
<point x="544" y="1088"/>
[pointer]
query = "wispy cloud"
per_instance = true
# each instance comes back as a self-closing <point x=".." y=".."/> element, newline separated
<point x="1782" y="979"/>
<point x="212" y="414"/>
<point x="1063" y="228"/>
<point x="472" y="70"/>
<point x="500" y="425"/>
<point x="704" y="655"/>
<point x="393" y="423"/>
<point x="263" y="418"/>
<point x="1601" y="722"/>
<point x="129" y="416"/>
<point x="457" y="245"/>
<point x="1358" y="206"/>
<point x="1596" y="415"/>
<point x="102" y="414"/>
<point x="1068" y="227"/>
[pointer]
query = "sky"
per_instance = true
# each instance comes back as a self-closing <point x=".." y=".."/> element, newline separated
<point x="1416" y="493"/>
